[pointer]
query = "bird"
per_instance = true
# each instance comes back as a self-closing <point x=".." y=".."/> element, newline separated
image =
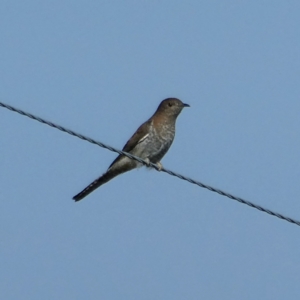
<point x="150" y="142"/>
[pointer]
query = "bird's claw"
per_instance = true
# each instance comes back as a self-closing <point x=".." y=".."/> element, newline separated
<point x="159" y="166"/>
<point x="147" y="160"/>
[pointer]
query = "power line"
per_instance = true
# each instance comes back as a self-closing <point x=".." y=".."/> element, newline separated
<point x="212" y="189"/>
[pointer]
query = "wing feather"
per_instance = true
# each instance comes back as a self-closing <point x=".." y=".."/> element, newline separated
<point x="139" y="136"/>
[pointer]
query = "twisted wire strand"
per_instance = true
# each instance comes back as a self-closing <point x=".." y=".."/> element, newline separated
<point x="198" y="183"/>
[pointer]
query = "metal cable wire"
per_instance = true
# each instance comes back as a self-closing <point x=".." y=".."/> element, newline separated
<point x="212" y="189"/>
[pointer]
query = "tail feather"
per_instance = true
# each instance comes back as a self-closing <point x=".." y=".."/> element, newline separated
<point x="120" y="165"/>
<point x="94" y="185"/>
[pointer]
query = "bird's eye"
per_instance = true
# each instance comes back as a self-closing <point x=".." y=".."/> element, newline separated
<point x="170" y="104"/>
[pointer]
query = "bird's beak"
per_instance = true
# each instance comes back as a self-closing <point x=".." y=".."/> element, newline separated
<point x="186" y="105"/>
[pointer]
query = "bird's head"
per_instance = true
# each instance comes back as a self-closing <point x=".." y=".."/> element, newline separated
<point x="171" y="107"/>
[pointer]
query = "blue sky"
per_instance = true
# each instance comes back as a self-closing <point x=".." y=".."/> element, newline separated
<point x="101" y="68"/>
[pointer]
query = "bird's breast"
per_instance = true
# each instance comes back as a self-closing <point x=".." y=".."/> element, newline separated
<point x="156" y="144"/>
<point x="160" y="141"/>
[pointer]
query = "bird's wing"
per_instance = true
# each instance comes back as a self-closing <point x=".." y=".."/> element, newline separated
<point x="140" y="135"/>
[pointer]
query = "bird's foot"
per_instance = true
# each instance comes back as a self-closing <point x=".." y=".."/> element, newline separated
<point x="147" y="160"/>
<point x="159" y="166"/>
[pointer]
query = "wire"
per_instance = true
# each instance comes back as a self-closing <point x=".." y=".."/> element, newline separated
<point x="212" y="189"/>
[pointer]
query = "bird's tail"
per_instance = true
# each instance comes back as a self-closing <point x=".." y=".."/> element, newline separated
<point x="113" y="171"/>
<point x="94" y="185"/>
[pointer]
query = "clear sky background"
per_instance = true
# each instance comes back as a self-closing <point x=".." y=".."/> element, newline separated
<point x="101" y="68"/>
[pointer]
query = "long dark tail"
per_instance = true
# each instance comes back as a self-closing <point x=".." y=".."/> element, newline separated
<point x="95" y="184"/>
<point x="120" y="165"/>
